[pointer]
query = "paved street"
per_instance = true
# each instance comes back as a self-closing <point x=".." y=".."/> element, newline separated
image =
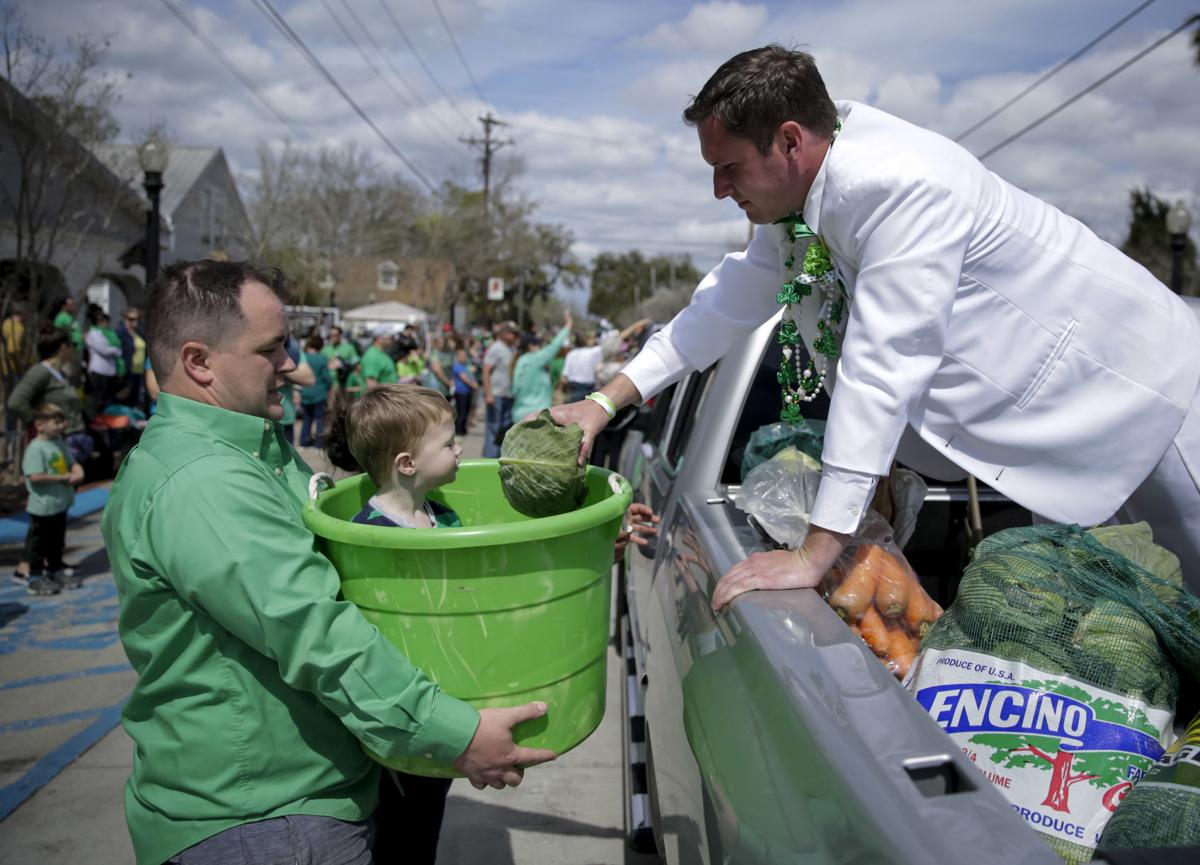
<point x="64" y="757"/>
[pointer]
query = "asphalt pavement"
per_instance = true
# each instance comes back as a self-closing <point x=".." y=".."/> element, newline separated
<point x="64" y="757"/>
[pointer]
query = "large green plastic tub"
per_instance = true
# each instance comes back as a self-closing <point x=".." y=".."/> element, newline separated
<point x="503" y="611"/>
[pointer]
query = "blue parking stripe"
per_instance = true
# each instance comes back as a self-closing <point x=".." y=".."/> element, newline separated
<point x="62" y="677"/>
<point x="47" y="721"/>
<point x="45" y="769"/>
<point x="14" y="526"/>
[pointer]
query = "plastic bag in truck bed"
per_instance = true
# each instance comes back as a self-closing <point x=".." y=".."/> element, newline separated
<point x="1162" y="809"/>
<point x="875" y="591"/>
<point x="807" y="436"/>
<point x="779" y="494"/>
<point x="1055" y="671"/>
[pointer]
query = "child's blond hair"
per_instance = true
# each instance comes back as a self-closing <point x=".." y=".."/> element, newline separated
<point x="391" y="419"/>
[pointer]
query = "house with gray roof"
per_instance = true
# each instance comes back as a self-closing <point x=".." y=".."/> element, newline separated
<point x="202" y="211"/>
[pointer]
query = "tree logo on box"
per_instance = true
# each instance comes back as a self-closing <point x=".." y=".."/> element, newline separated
<point x="1075" y="736"/>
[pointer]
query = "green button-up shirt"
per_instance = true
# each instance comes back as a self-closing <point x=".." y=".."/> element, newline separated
<point x="256" y="682"/>
<point x="378" y="364"/>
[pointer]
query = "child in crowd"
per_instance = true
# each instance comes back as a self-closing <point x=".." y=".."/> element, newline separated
<point x="464" y="390"/>
<point x="51" y="474"/>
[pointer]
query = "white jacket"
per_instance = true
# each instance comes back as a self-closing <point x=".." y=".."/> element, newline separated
<point x="1013" y="340"/>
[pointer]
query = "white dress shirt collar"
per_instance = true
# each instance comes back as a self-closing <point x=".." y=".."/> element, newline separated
<point x="812" y="203"/>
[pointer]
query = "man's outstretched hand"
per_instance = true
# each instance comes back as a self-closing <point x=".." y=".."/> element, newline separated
<point x="493" y="759"/>
<point x="591" y="417"/>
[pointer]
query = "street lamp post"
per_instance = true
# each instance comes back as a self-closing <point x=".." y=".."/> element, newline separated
<point x="152" y="156"/>
<point x="1179" y="220"/>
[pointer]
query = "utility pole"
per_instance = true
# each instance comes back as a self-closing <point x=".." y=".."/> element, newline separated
<point x="489" y="145"/>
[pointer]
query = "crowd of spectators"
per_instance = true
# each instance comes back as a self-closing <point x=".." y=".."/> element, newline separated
<point x="98" y="372"/>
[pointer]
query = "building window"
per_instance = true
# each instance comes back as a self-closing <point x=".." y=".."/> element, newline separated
<point x="212" y="217"/>
<point x="389" y="276"/>
<point x="206" y="207"/>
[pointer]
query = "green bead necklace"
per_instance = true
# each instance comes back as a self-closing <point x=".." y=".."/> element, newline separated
<point x="801" y="383"/>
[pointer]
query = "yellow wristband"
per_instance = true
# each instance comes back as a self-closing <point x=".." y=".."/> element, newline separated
<point x="604" y="402"/>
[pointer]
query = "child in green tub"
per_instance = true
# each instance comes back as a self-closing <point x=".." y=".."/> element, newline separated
<point x="402" y="435"/>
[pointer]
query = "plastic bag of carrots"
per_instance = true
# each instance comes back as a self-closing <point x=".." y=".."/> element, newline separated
<point x="874" y="589"/>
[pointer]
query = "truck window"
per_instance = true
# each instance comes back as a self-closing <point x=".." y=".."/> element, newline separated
<point x="660" y="411"/>
<point x="695" y="387"/>
<point x="761" y="407"/>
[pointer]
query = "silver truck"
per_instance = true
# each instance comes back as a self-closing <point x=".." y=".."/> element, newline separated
<point x="770" y="733"/>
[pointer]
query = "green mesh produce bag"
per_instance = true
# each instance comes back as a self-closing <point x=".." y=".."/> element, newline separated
<point x="1055" y="670"/>
<point x="1162" y="809"/>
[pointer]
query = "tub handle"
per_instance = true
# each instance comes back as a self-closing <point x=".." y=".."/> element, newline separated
<point x="316" y="482"/>
<point x="614" y="484"/>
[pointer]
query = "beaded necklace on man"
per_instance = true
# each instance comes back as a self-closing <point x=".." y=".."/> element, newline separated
<point x="801" y="383"/>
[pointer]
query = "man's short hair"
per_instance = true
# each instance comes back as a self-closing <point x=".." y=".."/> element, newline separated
<point x="51" y="341"/>
<point x="392" y="419"/>
<point x="753" y="93"/>
<point x="201" y="301"/>
<point x="507" y="327"/>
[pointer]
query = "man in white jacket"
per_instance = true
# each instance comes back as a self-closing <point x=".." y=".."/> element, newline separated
<point x="979" y="322"/>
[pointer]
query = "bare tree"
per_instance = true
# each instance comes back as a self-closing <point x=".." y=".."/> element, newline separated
<point x="55" y="106"/>
<point x="309" y="208"/>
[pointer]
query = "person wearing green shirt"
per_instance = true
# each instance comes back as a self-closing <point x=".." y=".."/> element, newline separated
<point x="65" y="320"/>
<point x="256" y="681"/>
<point x="532" y="387"/>
<point x="341" y="354"/>
<point x="377" y="365"/>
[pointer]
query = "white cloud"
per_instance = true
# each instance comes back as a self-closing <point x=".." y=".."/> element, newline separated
<point x="723" y="26"/>
<point x="594" y="90"/>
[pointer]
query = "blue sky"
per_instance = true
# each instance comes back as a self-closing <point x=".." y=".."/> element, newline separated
<point x="593" y="90"/>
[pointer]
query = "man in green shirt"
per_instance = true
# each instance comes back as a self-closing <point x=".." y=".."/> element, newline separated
<point x="65" y="320"/>
<point x="378" y="367"/>
<point x="343" y="352"/>
<point x="256" y="683"/>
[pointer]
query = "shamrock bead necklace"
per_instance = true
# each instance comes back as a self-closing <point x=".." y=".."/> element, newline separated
<point x="802" y="382"/>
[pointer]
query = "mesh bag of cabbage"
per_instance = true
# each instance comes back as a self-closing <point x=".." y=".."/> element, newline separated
<point x="1055" y="670"/>
<point x="1162" y="809"/>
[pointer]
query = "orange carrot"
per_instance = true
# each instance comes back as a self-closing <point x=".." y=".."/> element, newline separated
<point x="902" y="649"/>
<point x="894" y="581"/>
<point x="874" y="631"/>
<point x="856" y="588"/>
<point x="921" y="613"/>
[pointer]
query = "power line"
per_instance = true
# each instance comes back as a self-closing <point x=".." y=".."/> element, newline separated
<point x="458" y="51"/>
<point x="203" y="39"/>
<point x="379" y="72"/>
<point x="420" y="60"/>
<point x="1085" y="91"/>
<point x="1053" y="71"/>
<point x="272" y="14"/>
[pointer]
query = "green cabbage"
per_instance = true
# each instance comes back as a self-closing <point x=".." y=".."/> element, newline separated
<point x="539" y="467"/>
<point x="1136" y="543"/>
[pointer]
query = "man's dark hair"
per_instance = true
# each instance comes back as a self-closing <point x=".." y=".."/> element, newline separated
<point x="200" y="300"/>
<point x="50" y="341"/>
<point x="755" y="92"/>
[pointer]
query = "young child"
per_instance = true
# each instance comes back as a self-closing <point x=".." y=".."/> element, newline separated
<point x="51" y="474"/>
<point x="403" y="436"/>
